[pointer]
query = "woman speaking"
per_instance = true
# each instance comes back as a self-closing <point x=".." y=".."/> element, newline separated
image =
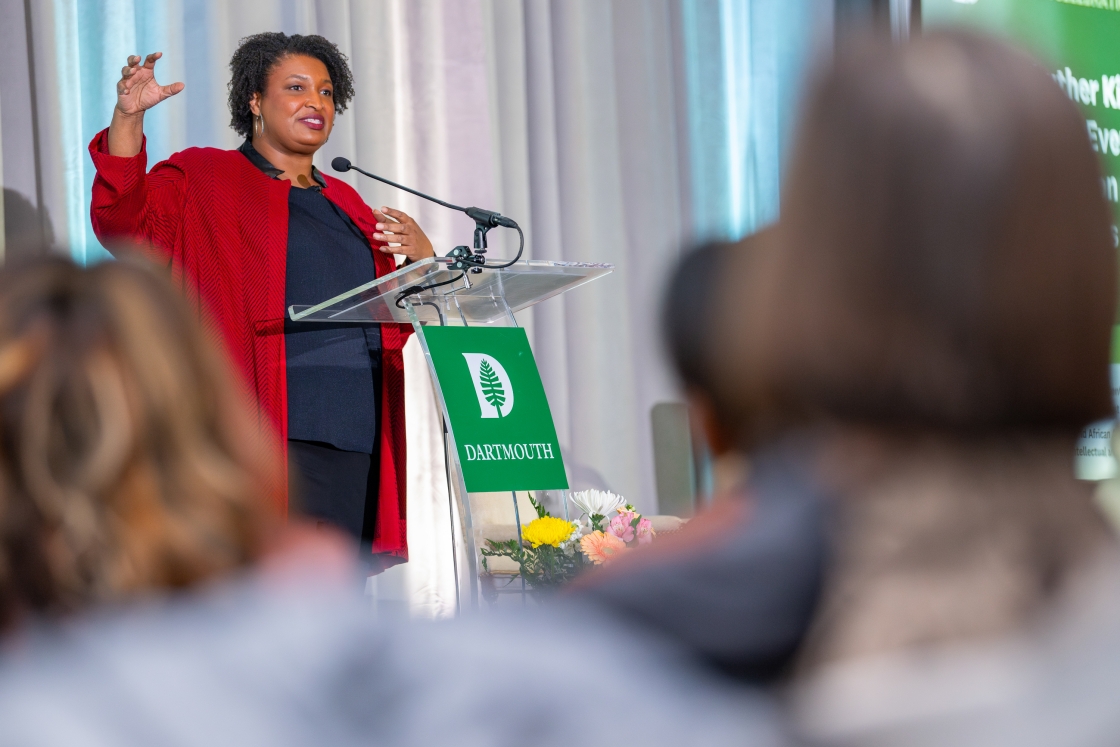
<point x="251" y="231"/>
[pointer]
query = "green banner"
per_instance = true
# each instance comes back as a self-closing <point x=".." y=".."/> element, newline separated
<point x="1078" y="42"/>
<point x="499" y="413"/>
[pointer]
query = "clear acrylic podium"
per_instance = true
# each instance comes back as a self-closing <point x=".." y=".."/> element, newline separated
<point x="431" y="292"/>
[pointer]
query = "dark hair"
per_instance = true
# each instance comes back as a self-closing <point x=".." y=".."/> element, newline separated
<point x="691" y="311"/>
<point x="945" y="257"/>
<point x="688" y="302"/>
<point x="258" y="54"/>
<point x="129" y="461"/>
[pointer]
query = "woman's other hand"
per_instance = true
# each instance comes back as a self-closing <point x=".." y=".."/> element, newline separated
<point x="137" y="91"/>
<point x="395" y="227"/>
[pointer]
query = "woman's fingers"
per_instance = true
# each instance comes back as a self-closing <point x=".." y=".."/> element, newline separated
<point x="398" y="235"/>
<point x="138" y="90"/>
<point x="131" y="68"/>
<point x="171" y="90"/>
<point x="134" y="66"/>
<point x="397" y="227"/>
<point x="396" y="215"/>
<point x="385" y="215"/>
<point x="390" y="228"/>
<point x="394" y="237"/>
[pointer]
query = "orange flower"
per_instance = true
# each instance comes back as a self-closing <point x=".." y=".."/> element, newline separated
<point x="600" y="547"/>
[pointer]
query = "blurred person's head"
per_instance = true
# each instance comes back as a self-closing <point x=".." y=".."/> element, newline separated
<point x="128" y="462"/>
<point x="929" y="334"/>
<point x="946" y="261"/>
<point x="695" y="331"/>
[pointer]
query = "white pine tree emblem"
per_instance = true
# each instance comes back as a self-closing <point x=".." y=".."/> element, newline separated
<point x="491" y="386"/>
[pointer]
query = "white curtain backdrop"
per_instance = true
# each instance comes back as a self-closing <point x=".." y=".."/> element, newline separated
<point x="612" y="131"/>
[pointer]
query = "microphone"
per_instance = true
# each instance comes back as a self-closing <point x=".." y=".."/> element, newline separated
<point x="484" y="220"/>
<point x="488" y="218"/>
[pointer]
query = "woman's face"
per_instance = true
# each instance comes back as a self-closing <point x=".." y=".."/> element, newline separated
<point x="297" y="105"/>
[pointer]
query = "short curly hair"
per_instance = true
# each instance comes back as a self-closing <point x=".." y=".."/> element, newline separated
<point x="256" y="56"/>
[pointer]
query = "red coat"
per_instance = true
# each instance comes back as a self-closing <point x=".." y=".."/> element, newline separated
<point x="223" y="226"/>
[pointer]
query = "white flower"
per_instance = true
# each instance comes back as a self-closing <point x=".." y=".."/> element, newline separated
<point x="600" y="502"/>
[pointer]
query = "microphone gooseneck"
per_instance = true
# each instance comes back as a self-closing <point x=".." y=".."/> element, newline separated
<point x="484" y="220"/>
<point x="343" y="164"/>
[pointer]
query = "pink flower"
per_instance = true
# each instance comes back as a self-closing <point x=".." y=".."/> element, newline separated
<point x="600" y="547"/>
<point x="627" y="515"/>
<point x="620" y="527"/>
<point x="645" y="532"/>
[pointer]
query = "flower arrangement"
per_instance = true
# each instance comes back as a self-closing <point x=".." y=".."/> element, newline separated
<point x="609" y="538"/>
<point x="547" y="556"/>
<point x="553" y="551"/>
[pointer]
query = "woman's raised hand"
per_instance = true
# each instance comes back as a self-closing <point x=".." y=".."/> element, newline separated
<point x="137" y="90"/>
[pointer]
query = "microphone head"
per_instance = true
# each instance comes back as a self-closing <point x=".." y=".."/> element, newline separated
<point x="340" y="164"/>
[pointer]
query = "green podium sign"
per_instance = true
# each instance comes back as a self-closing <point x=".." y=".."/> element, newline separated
<point x="499" y="414"/>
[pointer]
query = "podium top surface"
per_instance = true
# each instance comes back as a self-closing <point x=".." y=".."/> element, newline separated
<point x="438" y="293"/>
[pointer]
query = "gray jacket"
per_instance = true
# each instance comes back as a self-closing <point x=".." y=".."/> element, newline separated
<point x="253" y="663"/>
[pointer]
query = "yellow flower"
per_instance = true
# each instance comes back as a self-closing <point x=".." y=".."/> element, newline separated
<point x="547" y="530"/>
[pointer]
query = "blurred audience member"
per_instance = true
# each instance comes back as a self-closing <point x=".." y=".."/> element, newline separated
<point x="736" y="587"/>
<point x="127" y="463"/>
<point x="929" y="338"/>
<point x="127" y="469"/>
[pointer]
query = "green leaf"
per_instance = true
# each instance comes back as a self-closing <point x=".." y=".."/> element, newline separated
<point x="492" y="387"/>
<point x="539" y="507"/>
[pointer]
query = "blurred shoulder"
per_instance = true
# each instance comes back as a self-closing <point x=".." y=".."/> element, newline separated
<point x="242" y="655"/>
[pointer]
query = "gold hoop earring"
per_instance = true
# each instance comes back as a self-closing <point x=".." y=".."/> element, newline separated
<point x="259" y="118"/>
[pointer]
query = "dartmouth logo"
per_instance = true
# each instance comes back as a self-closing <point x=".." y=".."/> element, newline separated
<point x="491" y="384"/>
<point x="496" y="407"/>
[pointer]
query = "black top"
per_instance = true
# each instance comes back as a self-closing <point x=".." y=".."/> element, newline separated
<point x="334" y="391"/>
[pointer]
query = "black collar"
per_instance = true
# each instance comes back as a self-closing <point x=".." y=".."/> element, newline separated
<point x="262" y="163"/>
